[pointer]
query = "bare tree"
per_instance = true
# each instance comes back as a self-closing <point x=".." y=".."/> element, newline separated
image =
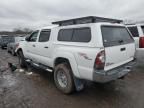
<point x="22" y="30"/>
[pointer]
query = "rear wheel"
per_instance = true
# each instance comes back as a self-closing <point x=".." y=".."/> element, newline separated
<point x="63" y="78"/>
<point x="22" y="62"/>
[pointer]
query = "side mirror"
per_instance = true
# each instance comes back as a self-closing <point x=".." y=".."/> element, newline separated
<point x="27" y="38"/>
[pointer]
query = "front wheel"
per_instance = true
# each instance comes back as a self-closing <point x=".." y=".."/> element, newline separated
<point x="22" y="62"/>
<point x="8" y="50"/>
<point x="63" y="78"/>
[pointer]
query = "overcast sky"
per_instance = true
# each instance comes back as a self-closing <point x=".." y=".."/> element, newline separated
<point x="38" y="13"/>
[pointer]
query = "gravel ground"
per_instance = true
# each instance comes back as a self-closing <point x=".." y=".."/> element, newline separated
<point x="36" y="89"/>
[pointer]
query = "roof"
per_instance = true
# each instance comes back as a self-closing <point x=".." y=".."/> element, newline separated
<point x="84" y="20"/>
<point x="49" y="27"/>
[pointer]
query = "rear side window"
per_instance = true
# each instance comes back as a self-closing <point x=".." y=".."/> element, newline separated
<point x="44" y="35"/>
<point x="75" y="35"/>
<point x="134" y="31"/>
<point x="113" y="35"/>
<point x="65" y="35"/>
<point x="142" y="28"/>
<point x="81" y="35"/>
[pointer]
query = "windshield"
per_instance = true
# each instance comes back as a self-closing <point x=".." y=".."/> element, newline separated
<point x="115" y="35"/>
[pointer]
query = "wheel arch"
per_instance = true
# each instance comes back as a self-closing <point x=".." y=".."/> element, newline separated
<point x="17" y="51"/>
<point x="70" y="59"/>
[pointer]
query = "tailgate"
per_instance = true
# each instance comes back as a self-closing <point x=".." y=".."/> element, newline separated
<point x="119" y="46"/>
<point x="119" y="55"/>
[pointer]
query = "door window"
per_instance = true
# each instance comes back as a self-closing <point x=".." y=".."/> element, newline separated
<point x="33" y="36"/>
<point x="44" y="36"/>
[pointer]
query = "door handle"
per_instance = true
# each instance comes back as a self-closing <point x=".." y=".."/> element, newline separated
<point x="123" y="49"/>
<point x="33" y="45"/>
<point x="46" y="47"/>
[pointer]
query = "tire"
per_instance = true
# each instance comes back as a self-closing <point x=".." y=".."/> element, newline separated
<point x="22" y="62"/>
<point x="8" y="51"/>
<point x="63" y="78"/>
<point x="2" y="47"/>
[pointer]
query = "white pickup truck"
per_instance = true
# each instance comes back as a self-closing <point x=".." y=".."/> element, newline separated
<point x="90" y="48"/>
<point x="137" y="30"/>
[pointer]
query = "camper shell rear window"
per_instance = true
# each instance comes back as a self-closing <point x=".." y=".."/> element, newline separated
<point x="115" y="35"/>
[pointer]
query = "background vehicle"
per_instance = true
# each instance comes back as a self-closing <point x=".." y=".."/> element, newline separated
<point x="90" y="48"/>
<point x="0" y="40"/>
<point x="12" y="45"/>
<point x="5" y="40"/>
<point x="137" y="30"/>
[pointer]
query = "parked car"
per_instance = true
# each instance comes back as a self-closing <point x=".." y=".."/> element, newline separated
<point x="5" y="40"/>
<point x="12" y="45"/>
<point x="90" y="48"/>
<point x="137" y="30"/>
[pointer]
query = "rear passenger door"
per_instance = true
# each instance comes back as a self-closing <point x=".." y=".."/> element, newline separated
<point x="44" y="47"/>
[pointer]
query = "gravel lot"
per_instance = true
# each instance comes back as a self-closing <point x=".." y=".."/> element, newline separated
<point x="21" y="89"/>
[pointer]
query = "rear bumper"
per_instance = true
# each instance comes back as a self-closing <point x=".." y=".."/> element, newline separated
<point x="107" y="76"/>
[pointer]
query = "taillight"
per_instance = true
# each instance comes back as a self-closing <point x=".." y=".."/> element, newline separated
<point x="141" y="42"/>
<point x="100" y="60"/>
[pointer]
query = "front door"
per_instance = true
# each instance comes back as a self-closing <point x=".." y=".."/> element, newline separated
<point x="31" y="47"/>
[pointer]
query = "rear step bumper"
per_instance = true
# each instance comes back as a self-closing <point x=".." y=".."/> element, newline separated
<point x="107" y="76"/>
